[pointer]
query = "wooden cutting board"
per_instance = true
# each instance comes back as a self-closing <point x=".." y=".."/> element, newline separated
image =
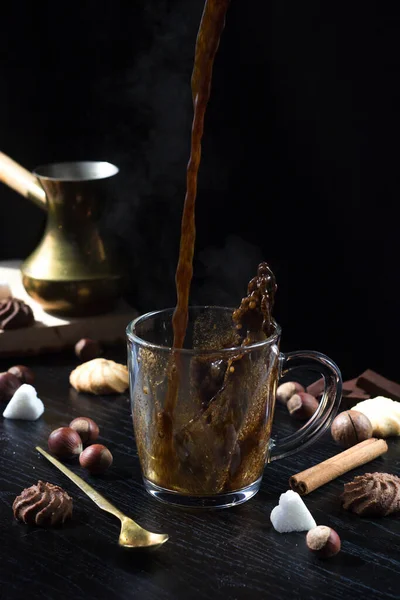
<point x="51" y="333"/>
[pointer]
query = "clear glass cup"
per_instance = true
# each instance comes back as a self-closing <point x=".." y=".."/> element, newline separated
<point x="202" y="415"/>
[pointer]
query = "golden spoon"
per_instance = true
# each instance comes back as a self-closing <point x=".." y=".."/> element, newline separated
<point x="132" y="535"/>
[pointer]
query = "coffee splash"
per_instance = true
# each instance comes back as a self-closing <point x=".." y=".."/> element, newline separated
<point x="254" y="315"/>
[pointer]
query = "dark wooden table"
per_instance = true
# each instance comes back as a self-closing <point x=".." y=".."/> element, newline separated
<point x="223" y="554"/>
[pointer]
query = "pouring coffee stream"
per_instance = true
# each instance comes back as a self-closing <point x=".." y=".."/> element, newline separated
<point x="210" y="30"/>
<point x="209" y="34"/>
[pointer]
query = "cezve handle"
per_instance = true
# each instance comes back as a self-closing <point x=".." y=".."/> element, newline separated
<point x="21" y="180"/>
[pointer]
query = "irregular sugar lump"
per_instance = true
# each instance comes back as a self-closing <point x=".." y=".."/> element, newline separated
<point x="24" y="405"/>
<point x="291" y="514"/>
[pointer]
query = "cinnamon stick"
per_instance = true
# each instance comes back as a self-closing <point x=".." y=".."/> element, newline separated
<point x="309" y="480"/>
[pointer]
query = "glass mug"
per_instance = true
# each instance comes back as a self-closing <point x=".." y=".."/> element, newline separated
<point x="202" y="415"/>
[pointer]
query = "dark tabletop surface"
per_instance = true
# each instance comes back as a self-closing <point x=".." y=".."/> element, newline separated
<point x="223" y="554"/>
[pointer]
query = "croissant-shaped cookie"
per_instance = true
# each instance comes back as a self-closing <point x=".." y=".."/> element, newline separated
<point x="100" y="376"/>
<point x="384" y="415"/>
<point x="372" y="494"/>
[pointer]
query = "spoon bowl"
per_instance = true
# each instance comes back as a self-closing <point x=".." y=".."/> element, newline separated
<point x="134" y="536"/>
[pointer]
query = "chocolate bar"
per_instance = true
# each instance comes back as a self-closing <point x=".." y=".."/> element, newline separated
<point x="349" y="386"/>
<point x="366" y="385"/>
<point x="352" y="392"/>
<point x="316" y="388"/>
<point x="376" y="385"/>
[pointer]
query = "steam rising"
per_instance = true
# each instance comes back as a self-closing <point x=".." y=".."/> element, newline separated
<point x="151" y="145"/>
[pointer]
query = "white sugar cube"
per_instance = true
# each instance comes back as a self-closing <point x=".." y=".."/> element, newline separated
<point x="291" y="514"/>
<point x="24" y="405"/>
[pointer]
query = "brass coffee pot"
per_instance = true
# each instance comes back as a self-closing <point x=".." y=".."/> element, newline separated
<point x="71" y="271"/>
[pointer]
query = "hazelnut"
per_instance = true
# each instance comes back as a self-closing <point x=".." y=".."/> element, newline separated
<point x="323" y="541"/>
<point x="23" y="373"/>
<point x="87" y="429"/>
<point x="9" y="384"/>
<point x="351" y="427"/>
<point x="286" y="390"/>
<point x="65" y="442"/>
<point x="96" y="459"/>
<point x="87" y="349"/>
<point x="302" y="406"/>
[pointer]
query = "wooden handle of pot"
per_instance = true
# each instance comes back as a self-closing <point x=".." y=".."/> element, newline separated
<point x="21" y="180"/>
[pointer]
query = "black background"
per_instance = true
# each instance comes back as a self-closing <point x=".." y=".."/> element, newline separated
<point x="300" y="155"/>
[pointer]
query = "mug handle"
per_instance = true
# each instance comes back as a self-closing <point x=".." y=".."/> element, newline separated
<point x="328" y="406"/>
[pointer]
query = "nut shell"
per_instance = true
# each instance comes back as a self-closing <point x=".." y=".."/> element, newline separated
<point x="9" y="384"/>
<point x="351" y="427"/>
<point x="96" y="459"/>
<point x="65" y="442"/>
<point x="302" y="406"/>
<point x="87" y="349"/>
<point x="25" y="374"/>
<point x="100" y="376"/>
<point x="288" y="389"/>
<point x="323" y="541"/>
<point x="87" y="429"/>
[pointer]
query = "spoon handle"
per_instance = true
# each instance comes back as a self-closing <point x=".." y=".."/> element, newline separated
<point x="97" y="498"/>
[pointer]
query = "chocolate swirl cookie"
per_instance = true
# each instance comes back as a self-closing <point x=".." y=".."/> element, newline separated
<point x="15" y="314"/>
<point x="43" y="504"/>
<point x="372" y="494"/>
